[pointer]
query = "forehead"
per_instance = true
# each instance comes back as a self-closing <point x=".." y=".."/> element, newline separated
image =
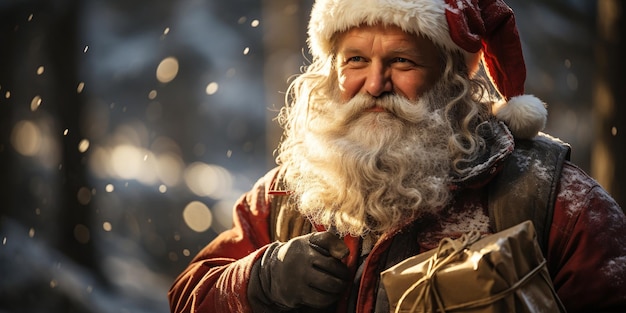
<point x="385" y="35"/>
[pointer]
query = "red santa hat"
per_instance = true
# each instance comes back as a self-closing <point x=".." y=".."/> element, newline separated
<point x="474" y="27"/>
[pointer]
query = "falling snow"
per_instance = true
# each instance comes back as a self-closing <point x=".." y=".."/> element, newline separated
<point x="133" y="141"/>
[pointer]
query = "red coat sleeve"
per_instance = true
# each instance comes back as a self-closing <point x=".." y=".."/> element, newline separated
<point x="216" y="280"/>
<point x="587" y="253"/>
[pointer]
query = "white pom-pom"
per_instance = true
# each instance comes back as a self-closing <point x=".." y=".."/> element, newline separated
<point x="525" y="115"/>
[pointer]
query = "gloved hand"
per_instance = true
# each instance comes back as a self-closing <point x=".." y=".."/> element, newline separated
<point x="305" y="271"/>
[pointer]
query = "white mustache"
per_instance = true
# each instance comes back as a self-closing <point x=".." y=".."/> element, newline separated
<point x="401" y="107"/>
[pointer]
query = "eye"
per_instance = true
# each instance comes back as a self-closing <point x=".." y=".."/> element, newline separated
<point x="403" y="63"/>
<point x="355" y="59"/>
<point x="402" y="60"/>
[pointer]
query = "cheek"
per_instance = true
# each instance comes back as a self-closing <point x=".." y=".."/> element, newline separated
<point x="412" y="86"/>
<point x="349" y="85"/>
<point x="408" y="87"/>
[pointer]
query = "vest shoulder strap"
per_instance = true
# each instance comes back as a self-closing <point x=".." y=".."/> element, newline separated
<point x="285" y="220"/>
<point x="525" y="188"/>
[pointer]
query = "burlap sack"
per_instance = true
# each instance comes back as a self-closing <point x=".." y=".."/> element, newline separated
<point x="503" y="272"/>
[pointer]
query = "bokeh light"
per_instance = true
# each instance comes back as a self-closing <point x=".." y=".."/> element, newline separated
<point x="26" y="138"/>
<point x="35" y="103"/>
<point x="207" y="180"/>
<point x="83" y="145"/>
<point x="211" y="88"/>
<point x="169" y="168"/>
<point x="84" y="195"/>
<point x="197" y="216"/>
<point x="167" y="70"/>
<point x="81" y="233"/>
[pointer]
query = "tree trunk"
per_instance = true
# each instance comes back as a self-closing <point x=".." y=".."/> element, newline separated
<point x="609" y="106"/>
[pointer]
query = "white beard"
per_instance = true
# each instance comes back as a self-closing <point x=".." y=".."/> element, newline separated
<point x="361" y="172"/>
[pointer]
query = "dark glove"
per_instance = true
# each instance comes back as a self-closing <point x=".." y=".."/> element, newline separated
<point x="305" y="271"/>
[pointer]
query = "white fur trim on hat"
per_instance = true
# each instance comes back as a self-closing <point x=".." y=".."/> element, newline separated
<point x="423" y="17"/>
<point x="525" y="115"/>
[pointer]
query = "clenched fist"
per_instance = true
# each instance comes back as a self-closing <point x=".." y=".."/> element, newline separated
<point x="305" y="271"/>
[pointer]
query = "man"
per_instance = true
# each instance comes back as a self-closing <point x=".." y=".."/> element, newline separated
<point x="391" y="143"/>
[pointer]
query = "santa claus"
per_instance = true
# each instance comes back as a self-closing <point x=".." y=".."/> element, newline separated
<point x="392" y="141"/>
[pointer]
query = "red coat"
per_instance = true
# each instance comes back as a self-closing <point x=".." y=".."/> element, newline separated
<point x="586" y="253"/>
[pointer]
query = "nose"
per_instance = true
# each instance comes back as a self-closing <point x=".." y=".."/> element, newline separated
<point x="378" y="81"/>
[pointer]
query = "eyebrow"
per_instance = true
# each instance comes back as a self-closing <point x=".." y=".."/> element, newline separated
<point x="350" y="50"/>
<point x="414" y="53"/>
<point x="411" y="52"/>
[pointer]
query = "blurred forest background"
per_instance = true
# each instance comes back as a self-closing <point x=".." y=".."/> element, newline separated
<point x="129" y="128"/>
